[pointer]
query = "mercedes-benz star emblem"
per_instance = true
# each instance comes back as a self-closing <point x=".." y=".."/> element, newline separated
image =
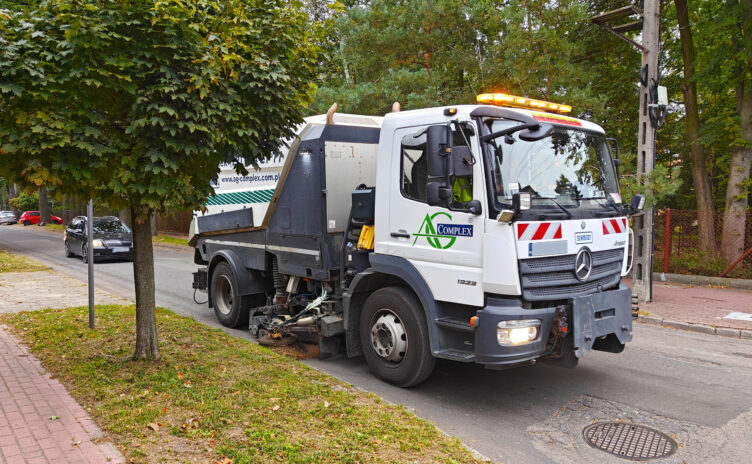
<point x="583" y="225"/>
<point x="583" y="264"/>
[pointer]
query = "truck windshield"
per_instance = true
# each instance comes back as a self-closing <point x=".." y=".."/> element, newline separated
<point x="571" y="167"/>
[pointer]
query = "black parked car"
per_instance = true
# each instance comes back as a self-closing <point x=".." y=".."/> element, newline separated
<point x="112" y="239"/>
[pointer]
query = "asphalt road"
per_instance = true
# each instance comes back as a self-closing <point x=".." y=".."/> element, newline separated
<point x="696" y="387"/>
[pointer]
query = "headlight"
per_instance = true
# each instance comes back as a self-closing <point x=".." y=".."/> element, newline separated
<point x="98" y="244"/>
<point x="511" y="333"/>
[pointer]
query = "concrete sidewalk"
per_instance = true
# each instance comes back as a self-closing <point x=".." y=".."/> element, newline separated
<point x="698" y="308"/>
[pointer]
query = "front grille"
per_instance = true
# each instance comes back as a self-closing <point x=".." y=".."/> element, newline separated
<point x="117" y="243"/>
<point x="553" y="277"/>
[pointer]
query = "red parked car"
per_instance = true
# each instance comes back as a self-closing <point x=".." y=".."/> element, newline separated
<point x="32" y="217"/>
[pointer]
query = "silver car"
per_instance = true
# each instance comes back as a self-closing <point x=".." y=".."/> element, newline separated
<point x="7" y="217"/>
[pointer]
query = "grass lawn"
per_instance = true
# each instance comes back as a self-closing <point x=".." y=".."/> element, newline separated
<point x="215" y="398"/>
<point x="170" y="239"/>
<point x="54" y="226"/>
<point x="17" y="263"/>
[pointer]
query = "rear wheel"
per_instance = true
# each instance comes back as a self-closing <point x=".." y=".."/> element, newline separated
<point x="26" y="222"/>
<point x="394" y="336"/>
<point x="228" y="305"/>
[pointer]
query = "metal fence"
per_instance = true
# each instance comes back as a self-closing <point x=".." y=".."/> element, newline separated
<point x="677" y="246"/>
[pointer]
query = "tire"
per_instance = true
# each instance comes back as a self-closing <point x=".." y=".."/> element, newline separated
<point x="85" y="253"/>
<point x="68" y="252"/>
<point x="393" y="319"/>
<point x="228" y="306"/>
<point x="26" y="223"/>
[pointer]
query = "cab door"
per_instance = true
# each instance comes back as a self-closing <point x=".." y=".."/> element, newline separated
<point x="445" y="245"/>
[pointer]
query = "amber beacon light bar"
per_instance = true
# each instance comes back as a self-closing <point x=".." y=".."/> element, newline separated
<point x="503" y="99"/>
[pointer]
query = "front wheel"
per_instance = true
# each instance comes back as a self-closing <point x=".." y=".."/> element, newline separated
<point x="26" y="223"/>
<point x="228" y="305"/>
<point x="394" y="336"/>
<point x="85" y="253"/>
<point x="68" y="252"/>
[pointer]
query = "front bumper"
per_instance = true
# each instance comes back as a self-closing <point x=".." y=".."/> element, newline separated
<point x="109" y="253"/>
<point x="590" y="317"/>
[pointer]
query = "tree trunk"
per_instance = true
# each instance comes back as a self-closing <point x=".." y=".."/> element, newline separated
<point x="125" y="216"/>
<point x="12" y="194"/>
<point x="735" y="217"/>
<point x="700" y="177"/>
<point x="44" y="206"/>
<point x="143" y="276"/>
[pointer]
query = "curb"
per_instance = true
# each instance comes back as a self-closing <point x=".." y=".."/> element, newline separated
<point x="173" y="246"/>
<point x="743" y="284"/>
<point x="701" y="328"/>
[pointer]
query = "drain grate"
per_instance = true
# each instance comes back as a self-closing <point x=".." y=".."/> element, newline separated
<point x="629" y="441"/>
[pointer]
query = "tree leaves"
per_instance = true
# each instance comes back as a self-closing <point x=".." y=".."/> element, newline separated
<point x="169" y="91"/>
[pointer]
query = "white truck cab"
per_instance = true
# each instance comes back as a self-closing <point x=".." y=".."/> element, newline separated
<point x="479" y="233"/>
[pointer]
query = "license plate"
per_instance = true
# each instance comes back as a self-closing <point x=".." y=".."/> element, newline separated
<point x="121" y="250"/>
<point x="583" y="237"/>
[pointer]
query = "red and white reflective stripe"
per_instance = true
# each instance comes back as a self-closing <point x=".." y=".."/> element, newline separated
<point x="614" y="226"/>
<point x="538" y="230"/>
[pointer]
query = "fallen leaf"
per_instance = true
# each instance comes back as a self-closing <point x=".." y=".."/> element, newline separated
<point x="76" y="443"/>
<point x="54" y="417"/>
<point x="154" y="426"/>
<point x="276" y="406"/>
<point x="327" y="404"/>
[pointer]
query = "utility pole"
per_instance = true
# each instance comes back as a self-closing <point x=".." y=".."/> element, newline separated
<point x="649" y="25"/>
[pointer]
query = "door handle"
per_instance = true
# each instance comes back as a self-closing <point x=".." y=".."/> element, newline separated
<point x="400" y="235"/>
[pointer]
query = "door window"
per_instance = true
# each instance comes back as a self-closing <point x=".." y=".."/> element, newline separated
<point x="414" y="168"/>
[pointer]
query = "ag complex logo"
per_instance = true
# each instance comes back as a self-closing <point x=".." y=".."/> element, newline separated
<point x="441" y="236"/>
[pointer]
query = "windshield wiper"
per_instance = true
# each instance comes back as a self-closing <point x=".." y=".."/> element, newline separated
<point x="535" y="194"/>
<point x="569" y="215"/>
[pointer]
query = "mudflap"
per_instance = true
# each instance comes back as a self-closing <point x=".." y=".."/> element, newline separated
<point x="600" y="315"/>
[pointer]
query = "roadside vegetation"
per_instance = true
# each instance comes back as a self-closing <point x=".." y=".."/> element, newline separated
<point x="10" y="262"/>
<point x="171" y="239"/>
<point x="212" y="397"/>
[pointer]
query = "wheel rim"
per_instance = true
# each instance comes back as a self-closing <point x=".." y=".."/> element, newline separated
<point x="388" y="336"/>
<point x="67" y="248"/>
<point x="84" y="253"/>
<point x="224" y="295"/>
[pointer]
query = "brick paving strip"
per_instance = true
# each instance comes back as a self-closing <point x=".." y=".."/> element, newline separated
<point x="39" y="421"/>
<point x="699" y="309"/>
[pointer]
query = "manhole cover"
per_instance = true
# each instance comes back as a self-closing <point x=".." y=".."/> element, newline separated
<point x="629" y="441"/>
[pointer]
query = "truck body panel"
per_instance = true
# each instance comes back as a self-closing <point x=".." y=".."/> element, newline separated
<point x="304" y="253"/>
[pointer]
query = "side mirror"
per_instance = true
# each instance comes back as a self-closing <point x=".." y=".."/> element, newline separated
<point x="437" y="194"/>
<point x="436" y="144"/>
<point x="637" y="203"/>
<point x="533" y="134"/>
<point x="521" y="201"/>
<point x="475" y="207"/>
